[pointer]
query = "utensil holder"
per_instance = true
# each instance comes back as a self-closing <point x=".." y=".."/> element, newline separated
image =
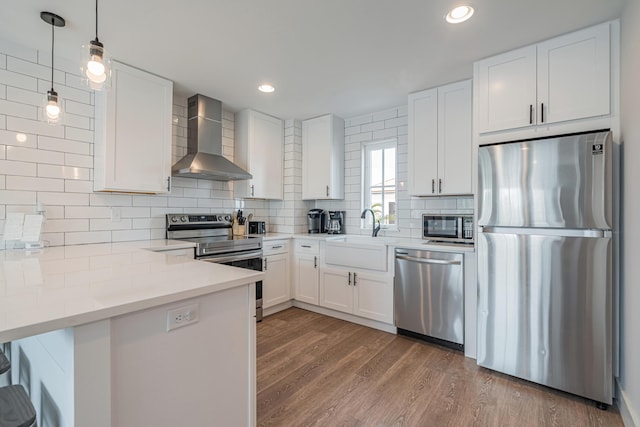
<point x="239" y="230"/>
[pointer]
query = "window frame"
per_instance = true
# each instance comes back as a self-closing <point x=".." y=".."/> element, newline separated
<point x="365" y="197"/>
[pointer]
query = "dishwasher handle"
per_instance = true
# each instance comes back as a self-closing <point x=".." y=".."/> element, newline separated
<point x="428" y="260"/>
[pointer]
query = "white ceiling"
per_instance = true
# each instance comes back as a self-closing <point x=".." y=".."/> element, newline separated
<point x="347" y="57"/>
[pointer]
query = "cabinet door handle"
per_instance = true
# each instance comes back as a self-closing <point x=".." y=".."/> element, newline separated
<point x="355" y="281"/>
<point x="327" y="191"/>
<point x="530" y="114"/>
<point x="315" y="262"/>
<point x="433" y="186"/>
<point x="440" y="185"/>
<point x="306" y="246"/>
<point x="349" y="284"/>
<point x="169" y="183"/>
<point x="277" y="247"/>
<point x="265" y="264"/>
<point x="542" y="112"/>
<point x="252" y="192"/>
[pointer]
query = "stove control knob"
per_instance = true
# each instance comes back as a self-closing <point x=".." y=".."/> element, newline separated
<point x="174" y="219"/>
<point x="183" y="218"/>
<point x="219" y="218"/>
<point x="227" y="217"/>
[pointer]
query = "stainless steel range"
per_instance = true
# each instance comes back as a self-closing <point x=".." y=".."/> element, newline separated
<point x="215" y="242"/>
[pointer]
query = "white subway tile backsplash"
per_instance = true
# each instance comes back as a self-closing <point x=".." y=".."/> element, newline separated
<point x="385" y="133"/>
<point x="109" y="224"/>
<point x="34" y="155"/>
<point x="34" y="184"/>
<point x="63" y="225"/>
<point x="78" y="134"/>
<point x="10" y="78"/>
<point x="130" y="235"/>
<point x="87" y="212"/>
<point x="3" y="61"/>
<point x="78" y="160"/>
<point x="65" y="172"/>
<point x="9" y="167"/>
<point x="159" y="223"/>
<point x="76" y="121"/>
<point x="150" y="201"/>
<point x="66" y="199"/>
<point x="136" y="212"/>
<point x="102" y="199"/>
<point x="79" y="108"/>
<point x="78" y="186"/>
<point x="24" y="96"/>
<point x="373" y="126"/>
<point x="23" y="125"/>
<point x="11" y="197"/>
<point x="65" y="145"/>
<point x="86" y="237"/>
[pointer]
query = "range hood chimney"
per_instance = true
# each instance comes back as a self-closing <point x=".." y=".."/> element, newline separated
<point x="204" y="144"/>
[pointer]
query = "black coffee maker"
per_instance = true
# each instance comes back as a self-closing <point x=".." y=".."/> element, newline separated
<point x="336" y="222"/>
<point x="317" y="220"/>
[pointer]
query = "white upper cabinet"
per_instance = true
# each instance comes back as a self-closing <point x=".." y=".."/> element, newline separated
<point x="573" y="75"/>
<point x="323" y="158"/>
<point x="259" y="150"/>
<point x="440" y="150"/>
<point x="133" y="133"/>
<point x="562" y="79"/>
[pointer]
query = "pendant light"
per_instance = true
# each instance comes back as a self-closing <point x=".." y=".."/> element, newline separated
<point x="52" y="108"/>
<point x="96" y="63"/>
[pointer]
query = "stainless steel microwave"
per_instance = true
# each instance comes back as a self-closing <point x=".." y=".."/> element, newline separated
<point x="448" y="228"/>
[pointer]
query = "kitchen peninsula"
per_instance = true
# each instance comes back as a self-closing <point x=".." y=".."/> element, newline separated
<point x="99" y="315"/>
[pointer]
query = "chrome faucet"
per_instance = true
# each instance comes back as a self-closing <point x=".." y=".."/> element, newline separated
<point x="375" y="230"/>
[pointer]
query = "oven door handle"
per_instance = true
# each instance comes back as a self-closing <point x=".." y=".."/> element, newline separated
<point x="235" y="257"/>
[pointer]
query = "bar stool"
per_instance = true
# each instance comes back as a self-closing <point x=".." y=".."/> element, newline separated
<point x="16" y="409"/>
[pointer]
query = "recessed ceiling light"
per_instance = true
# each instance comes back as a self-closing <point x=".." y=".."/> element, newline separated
<point x="459" y="14"/>
<point x="266" y="88"/>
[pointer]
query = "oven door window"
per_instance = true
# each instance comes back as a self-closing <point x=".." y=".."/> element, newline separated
<point x="442" y="226"/>
<point x="249" y="264"/>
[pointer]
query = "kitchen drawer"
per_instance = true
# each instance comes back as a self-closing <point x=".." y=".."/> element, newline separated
<point x="272" y="247"/>
<point x="304" y="246"/>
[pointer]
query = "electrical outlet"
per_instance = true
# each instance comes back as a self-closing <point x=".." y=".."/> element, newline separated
<point x="182" y="316"/>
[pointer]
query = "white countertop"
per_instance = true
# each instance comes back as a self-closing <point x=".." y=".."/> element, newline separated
<point x="65" y="286"/>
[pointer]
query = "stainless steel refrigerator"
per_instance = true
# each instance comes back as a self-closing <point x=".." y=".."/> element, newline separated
<point x="545" y="262"/>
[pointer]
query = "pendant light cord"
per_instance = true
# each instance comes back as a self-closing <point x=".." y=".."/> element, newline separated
<point x="97" y="20"/>
<point x="52" y="43"/>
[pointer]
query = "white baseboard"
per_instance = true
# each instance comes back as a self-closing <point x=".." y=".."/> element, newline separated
<point x="629" y="416"/>
<point x="276" y="308"/>
<point x="348" y="317"/>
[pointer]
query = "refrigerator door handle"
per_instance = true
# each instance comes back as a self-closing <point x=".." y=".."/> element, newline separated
<point x="546" y="231"/>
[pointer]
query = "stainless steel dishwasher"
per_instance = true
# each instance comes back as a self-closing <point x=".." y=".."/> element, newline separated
<point x="429" y="296"/>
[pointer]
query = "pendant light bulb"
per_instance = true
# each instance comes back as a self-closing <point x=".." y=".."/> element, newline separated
<point x="52" y="109"/>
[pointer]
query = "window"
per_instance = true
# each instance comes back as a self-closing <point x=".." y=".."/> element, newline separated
<point x="379" y="182"/>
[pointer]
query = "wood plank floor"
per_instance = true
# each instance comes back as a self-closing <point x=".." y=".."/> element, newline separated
<point x="317" y="370"/>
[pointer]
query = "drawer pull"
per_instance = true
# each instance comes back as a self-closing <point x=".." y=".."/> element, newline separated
<point x="306" y="246"/>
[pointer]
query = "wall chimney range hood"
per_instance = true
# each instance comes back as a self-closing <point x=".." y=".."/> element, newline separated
<point x="204" y="144"/>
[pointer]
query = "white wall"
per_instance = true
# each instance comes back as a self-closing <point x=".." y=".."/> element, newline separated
<point x="391" y="123"/>
<point x="630" y="228"/>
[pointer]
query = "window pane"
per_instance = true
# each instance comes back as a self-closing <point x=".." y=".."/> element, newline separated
<point x="379" y="179"/>
<point x="376" y="167"/>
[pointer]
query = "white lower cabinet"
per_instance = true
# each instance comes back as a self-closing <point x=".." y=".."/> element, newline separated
<point x="275" y="285"/>
<point x="307" y="271"/>
<point x="357" y="292"/>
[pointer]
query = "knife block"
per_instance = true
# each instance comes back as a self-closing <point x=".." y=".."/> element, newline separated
<point x="238" y="230"/>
